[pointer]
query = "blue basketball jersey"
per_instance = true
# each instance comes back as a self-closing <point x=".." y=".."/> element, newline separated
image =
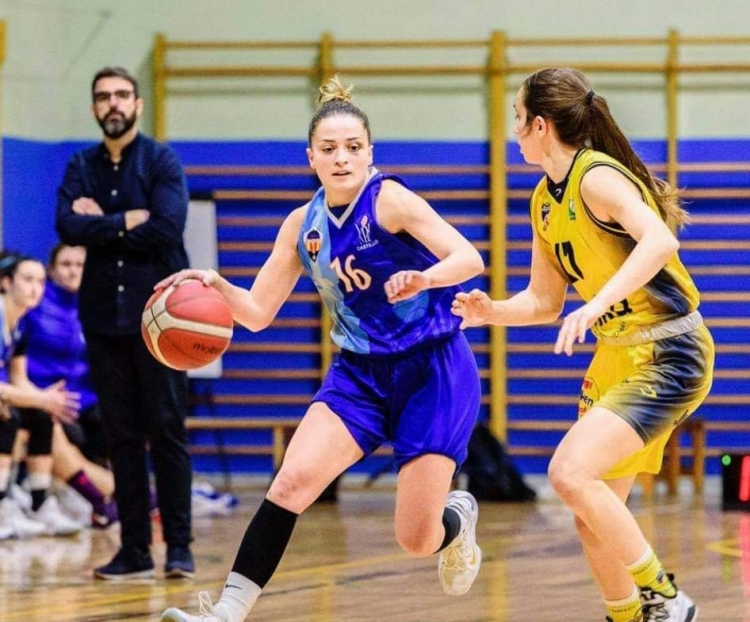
<point x="350" y="258"/>
<point x="12" y="343"/>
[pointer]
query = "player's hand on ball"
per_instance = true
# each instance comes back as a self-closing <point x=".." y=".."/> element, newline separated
<point x="475" y="308"/>
<point x="209" y="278"/>
<point x="187" y="326"/>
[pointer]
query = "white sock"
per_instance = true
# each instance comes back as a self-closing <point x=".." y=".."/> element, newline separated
<point x="237" y="598"/>
<point x="39" y="481"/>
<point x="4" y="479"/>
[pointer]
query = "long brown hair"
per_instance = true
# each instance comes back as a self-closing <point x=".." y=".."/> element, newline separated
<point x="582" y="118"/>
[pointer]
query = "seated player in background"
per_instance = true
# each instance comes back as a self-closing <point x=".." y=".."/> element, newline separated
<point x="22" y="281"/>
<point x="56" y="351"/>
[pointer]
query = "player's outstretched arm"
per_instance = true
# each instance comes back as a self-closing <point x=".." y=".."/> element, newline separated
<point x="474" y="308"/>
<point x="399" y="209"/>
<point x="235" y="296"/>
<point x="540" y="303"/>
<point x="276" y="278"/>
<point x="255" y="309"/>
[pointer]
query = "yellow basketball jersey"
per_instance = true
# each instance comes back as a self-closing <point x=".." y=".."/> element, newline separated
<point x="588" y="252"/>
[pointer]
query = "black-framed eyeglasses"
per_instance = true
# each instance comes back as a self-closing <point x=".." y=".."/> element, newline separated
<point x="102" y="97"/>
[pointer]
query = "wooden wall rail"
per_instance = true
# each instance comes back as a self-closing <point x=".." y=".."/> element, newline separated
<point x="501" y="59"/>
<point x="538" y="400"/>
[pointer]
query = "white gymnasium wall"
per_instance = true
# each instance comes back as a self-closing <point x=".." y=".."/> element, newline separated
<point x="55" y="46"/>
<point x="202" y="249"/>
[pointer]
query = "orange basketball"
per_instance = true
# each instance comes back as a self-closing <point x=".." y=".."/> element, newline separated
<point x="187" y="326"/>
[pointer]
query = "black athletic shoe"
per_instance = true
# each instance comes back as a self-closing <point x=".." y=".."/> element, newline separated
<point x="129" y="563"/>
<point x="180" y="564"/>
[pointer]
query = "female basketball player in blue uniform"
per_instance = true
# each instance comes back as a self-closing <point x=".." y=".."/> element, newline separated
<point x="22" y="281"/>
<point x="386" y="267"/>
<point x="600" y="223"/>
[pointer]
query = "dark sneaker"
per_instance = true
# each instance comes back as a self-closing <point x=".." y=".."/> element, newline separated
<point x="180" y="564"/>
<point x="660" y="608"/>
<point x="129" y="563"/>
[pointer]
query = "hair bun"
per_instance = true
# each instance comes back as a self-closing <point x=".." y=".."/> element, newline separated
<point x="333" y="90"/>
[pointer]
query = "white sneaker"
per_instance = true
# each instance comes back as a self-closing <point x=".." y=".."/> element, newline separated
<point x="21" y="496"/>
<point x="459" y="562"/>
<point x="73" y="504"/>
<point x="660" y="608"/>
<point x="206" y="612"/>
<point x="222" y="505"/>
<point x="13" y="517"/>
<point x="57" y="524"/>
<point x="6" y="532"/>
<point x="207" y="501"/>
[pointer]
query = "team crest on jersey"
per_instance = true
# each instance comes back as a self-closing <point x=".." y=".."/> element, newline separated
<point x="363" y="231"/>
<point x="571" y="209"/>
<point x="313" y="240"/>
<point x="546" y="209"/>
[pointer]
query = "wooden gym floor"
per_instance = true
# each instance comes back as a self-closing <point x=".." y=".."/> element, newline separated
<point x="343" y="565"/>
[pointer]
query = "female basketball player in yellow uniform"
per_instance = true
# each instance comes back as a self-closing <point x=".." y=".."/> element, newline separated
<point x="602" y="223"/>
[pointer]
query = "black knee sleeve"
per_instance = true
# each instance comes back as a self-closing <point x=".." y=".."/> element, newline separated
<point x="8" y="429"/>
<point x="39" y="424"/>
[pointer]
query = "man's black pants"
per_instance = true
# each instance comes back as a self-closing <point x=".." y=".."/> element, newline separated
<point x="143" y="405"/>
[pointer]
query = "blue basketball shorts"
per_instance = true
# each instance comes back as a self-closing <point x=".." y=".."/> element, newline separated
<point x="425" y="402"/>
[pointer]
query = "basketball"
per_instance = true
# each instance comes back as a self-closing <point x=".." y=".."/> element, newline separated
<point x="187" y="326"/>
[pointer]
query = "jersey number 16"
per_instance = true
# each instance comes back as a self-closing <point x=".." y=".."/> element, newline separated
<point x="350" y="276"/>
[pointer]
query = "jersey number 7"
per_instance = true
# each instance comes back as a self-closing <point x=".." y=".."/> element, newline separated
<point x="567" y="260"/>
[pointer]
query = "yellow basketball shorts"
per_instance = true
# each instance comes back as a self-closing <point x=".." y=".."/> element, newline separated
<point x="654" y="386"/>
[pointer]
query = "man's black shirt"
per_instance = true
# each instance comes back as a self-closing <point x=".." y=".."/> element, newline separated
<point x="123" y="266"/>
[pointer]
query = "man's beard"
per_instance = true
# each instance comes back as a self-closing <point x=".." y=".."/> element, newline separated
<point x="117" y="125"/>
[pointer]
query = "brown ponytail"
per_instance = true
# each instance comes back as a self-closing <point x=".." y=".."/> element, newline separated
<point x="582" y="119"/>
